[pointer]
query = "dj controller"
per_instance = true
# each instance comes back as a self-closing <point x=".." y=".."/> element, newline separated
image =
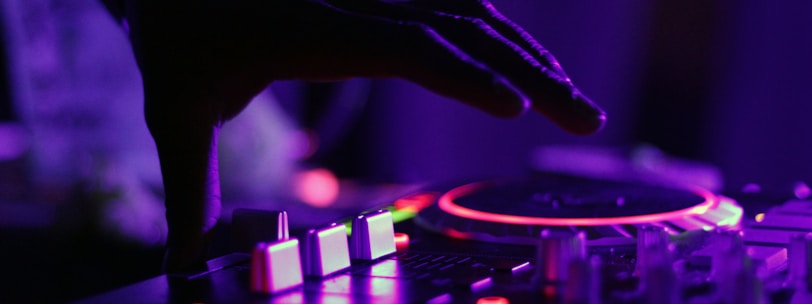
<point x="540" y="239"/>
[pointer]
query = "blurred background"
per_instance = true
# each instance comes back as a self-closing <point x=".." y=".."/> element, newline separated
<point x="719" y="87"/>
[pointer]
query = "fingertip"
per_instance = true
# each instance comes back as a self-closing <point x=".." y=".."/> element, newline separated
<point x="582" y="117"/>
<point x="590" y="125"/>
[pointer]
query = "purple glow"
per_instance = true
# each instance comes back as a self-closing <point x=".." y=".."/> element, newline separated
<point x="303" y="144"/>
<point x="13" y="141"/>
<point x="751" y="188"/>
<point x="481" y="284"/>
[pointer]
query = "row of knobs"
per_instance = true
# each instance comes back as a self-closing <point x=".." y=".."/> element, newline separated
<point x="562" y="266"/>
<point x="735" y="274"/>
<point x="281" y="264"/>
<point x="564" y="272"/>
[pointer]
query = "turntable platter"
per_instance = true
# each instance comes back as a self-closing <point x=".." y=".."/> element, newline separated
<point x="517" y="211"/>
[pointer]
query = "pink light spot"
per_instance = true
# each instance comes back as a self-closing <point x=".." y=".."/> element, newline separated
<point x="316" y="187"/>
<point x="801" y="190"/>
<point x="751" y="188"/>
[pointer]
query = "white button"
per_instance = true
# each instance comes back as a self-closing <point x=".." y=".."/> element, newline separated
<point x="275" y="266"/>
<point x="373" y="236"/>
<point x="326" y="251"/>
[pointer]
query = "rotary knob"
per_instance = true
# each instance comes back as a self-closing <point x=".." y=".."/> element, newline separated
<point x="736" y="279"/>
<point x="556" y="251"/>
<point x="585" y="283"/>
<point x="655" y="237"/>
<point x="729" y="245"/>
<point x="658" y="281"/>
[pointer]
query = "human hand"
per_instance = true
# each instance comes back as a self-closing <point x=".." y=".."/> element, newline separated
<point x="203" y="61"/>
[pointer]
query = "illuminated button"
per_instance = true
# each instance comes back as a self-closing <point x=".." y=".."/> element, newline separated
<point x="251" y="226"/>
<point x="275" y="266"/>
<point x="373" y="236"/>
<point x="492" y="300"/>
<point x="326" y="251"/>
<point x="401" y="241"/>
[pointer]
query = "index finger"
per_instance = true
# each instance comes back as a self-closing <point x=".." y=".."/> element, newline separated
<point x="534" y="72"/>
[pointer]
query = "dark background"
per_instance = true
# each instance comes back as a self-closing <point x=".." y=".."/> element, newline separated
<point x="722" y="82"/>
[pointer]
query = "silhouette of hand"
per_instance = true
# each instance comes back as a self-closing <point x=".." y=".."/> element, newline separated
<point x="202" y="62"/>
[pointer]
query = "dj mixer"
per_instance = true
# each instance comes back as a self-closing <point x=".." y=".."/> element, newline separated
<point x="539" y="239"/>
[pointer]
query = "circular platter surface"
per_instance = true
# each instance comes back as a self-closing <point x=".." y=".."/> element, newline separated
<point x="517" y="211"/>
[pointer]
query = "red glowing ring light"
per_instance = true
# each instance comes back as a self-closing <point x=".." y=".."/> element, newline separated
<point x="446" y="203"/>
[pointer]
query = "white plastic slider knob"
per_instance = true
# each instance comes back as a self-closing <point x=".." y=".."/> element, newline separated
<point x="326" y="251"/>
<point x="373" y="236"/>
<point x="275" y="267"/>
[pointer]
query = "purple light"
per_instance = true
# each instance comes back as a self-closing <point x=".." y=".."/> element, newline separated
<point x="13" y="141"/>
<point x="751" y="188"/>
<point x="801" y="190"/>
